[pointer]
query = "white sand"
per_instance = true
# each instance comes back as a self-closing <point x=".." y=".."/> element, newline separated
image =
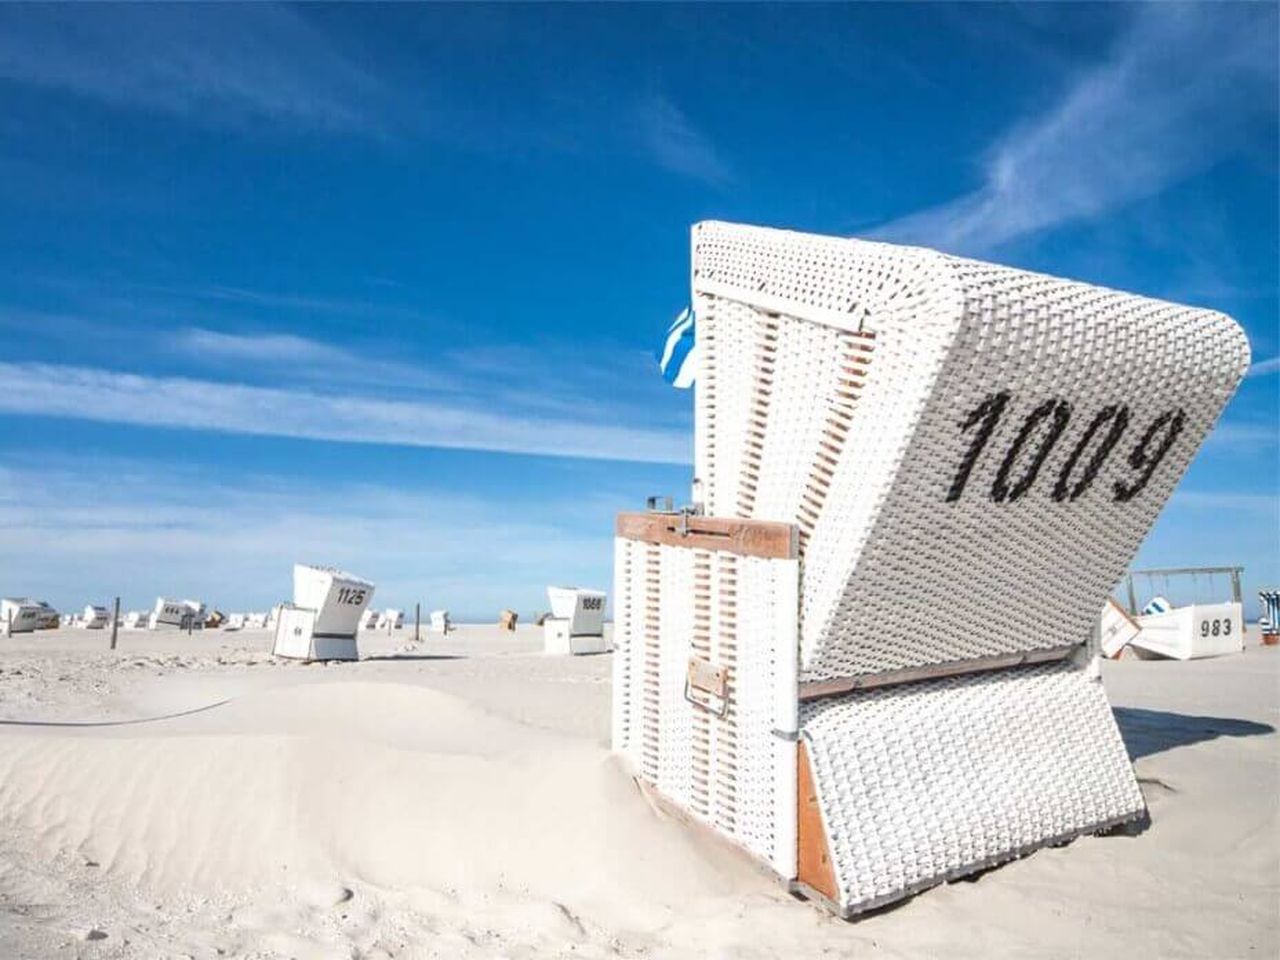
<point x="457" y="799"/>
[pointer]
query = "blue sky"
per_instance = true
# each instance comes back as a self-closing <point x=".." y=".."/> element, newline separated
<point x="379" y="287"/>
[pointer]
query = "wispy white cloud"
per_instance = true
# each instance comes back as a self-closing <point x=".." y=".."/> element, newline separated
<point x="301" y="302"/>
<point x="1175" y="96"/>
<point x="88" y="531"/>
<point x="495" y="376"/>
<point x="276" y="347"/>
<point x="107" y="396"/>
<point x="672" y="141"/>
<point x="1243" y="434"/>
<point x="209" y="62"/>
<point x="1263" y="367"/>
<point x="1260" y="503"/>
<point x="302" y="359"/>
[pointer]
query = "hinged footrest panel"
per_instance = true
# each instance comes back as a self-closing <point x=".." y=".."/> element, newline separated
<point x="924" y="782"/>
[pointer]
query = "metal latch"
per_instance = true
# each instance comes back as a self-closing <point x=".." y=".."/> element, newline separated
<point x="706" y="685"/>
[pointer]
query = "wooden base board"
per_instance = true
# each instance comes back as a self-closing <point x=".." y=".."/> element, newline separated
<point x="814" y="868"/>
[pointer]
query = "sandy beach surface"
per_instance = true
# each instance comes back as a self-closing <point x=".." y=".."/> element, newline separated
<point x="190" y="796"/>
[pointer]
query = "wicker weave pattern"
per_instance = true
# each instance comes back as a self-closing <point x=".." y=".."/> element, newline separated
<point x="924" y="782"/>
<point x="837" y="376"/>
<point x="738" y="612"/>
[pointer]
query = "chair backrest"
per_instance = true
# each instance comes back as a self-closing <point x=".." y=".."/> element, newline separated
<point x="948" y="435"/>
<point x="338" y="598"/>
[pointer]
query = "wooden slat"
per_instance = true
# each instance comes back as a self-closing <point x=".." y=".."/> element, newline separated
<point x="813" y="860"/>
<point x="813" y="689"/>
<point x="748" y="538"/>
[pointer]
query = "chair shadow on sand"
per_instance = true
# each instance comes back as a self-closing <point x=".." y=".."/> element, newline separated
<point x="1146" y="732"/>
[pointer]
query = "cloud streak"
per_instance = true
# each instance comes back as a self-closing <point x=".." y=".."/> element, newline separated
<point x="471" y="554"/>
<point x="1174" y="98"/>
<point x="207" y="62"/>
<point x="50" y="390"/>
<point x="672" y="141"/>
<point x="1264" y="367"/>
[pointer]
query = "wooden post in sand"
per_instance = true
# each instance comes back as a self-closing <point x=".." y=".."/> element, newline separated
<point x="417" y="623"/>
<point x="115" y="621"/>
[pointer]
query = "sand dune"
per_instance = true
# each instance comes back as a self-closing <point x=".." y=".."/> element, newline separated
<point x="456" y="799"/>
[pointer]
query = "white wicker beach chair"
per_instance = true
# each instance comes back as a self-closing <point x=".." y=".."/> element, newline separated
<point x="881" y="431"/>
<point x="183" y="614"/>
<point x="95" y="617"/>
<point x="19" y="615"/>
<point x="576" y="622"/>
<point x="322" y="621"/>
<point x="1192" y="632"/>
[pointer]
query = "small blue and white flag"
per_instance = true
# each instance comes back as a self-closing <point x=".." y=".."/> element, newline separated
<point x="678" y="358"/>
<point x="1157" y="605"/>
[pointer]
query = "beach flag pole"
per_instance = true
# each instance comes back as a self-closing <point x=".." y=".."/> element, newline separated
<point x="417" y="623"/>
<point x="115" y="621"/>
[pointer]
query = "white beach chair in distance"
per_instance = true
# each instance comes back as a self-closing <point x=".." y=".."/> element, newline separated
<point x="183" y="614"/>
<point x="881" y="431"/>
<point x="1192" y="632"/>
<point x="369" y="620"/>
<point x="94" y="617"/>
<point x="439" y="622"/>
<point x="576" y="623"/>
<point x="322" y="621"/>
<point x="235" y="621"/>
<point x="393" y="619"/>
<point x="19" y="615"/>
<point x="48" y="617"/>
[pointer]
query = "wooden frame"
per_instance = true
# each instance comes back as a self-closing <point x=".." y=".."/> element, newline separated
<point x="814" y="870"/>
<point x="748" y="538"/>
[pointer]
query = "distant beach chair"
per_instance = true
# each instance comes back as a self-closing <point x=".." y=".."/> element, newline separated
<point x="369" y="620"/>
<point x="440" y="622"/>
<point x="48" y="618"/>
<point x="273" y="617"/>
<point x="19" y="615"/>
<point x="136" y="619"/>
<point x="322" y="621"/>
<point x="393" y="619"/>
<point x="95" y="618"/>
<point x="1192" y="632"/>
<point x="1270" y="619"/>
<point x="883" y="432"/>
<point x="576" y="622"/>
<point x="183" y="614"/>
<point x="255" y="621"/>
<point x="235" y="621"/>
<point x="507" y="620"/>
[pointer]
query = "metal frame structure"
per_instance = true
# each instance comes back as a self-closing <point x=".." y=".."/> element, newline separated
<point x="1237" y="595"/>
